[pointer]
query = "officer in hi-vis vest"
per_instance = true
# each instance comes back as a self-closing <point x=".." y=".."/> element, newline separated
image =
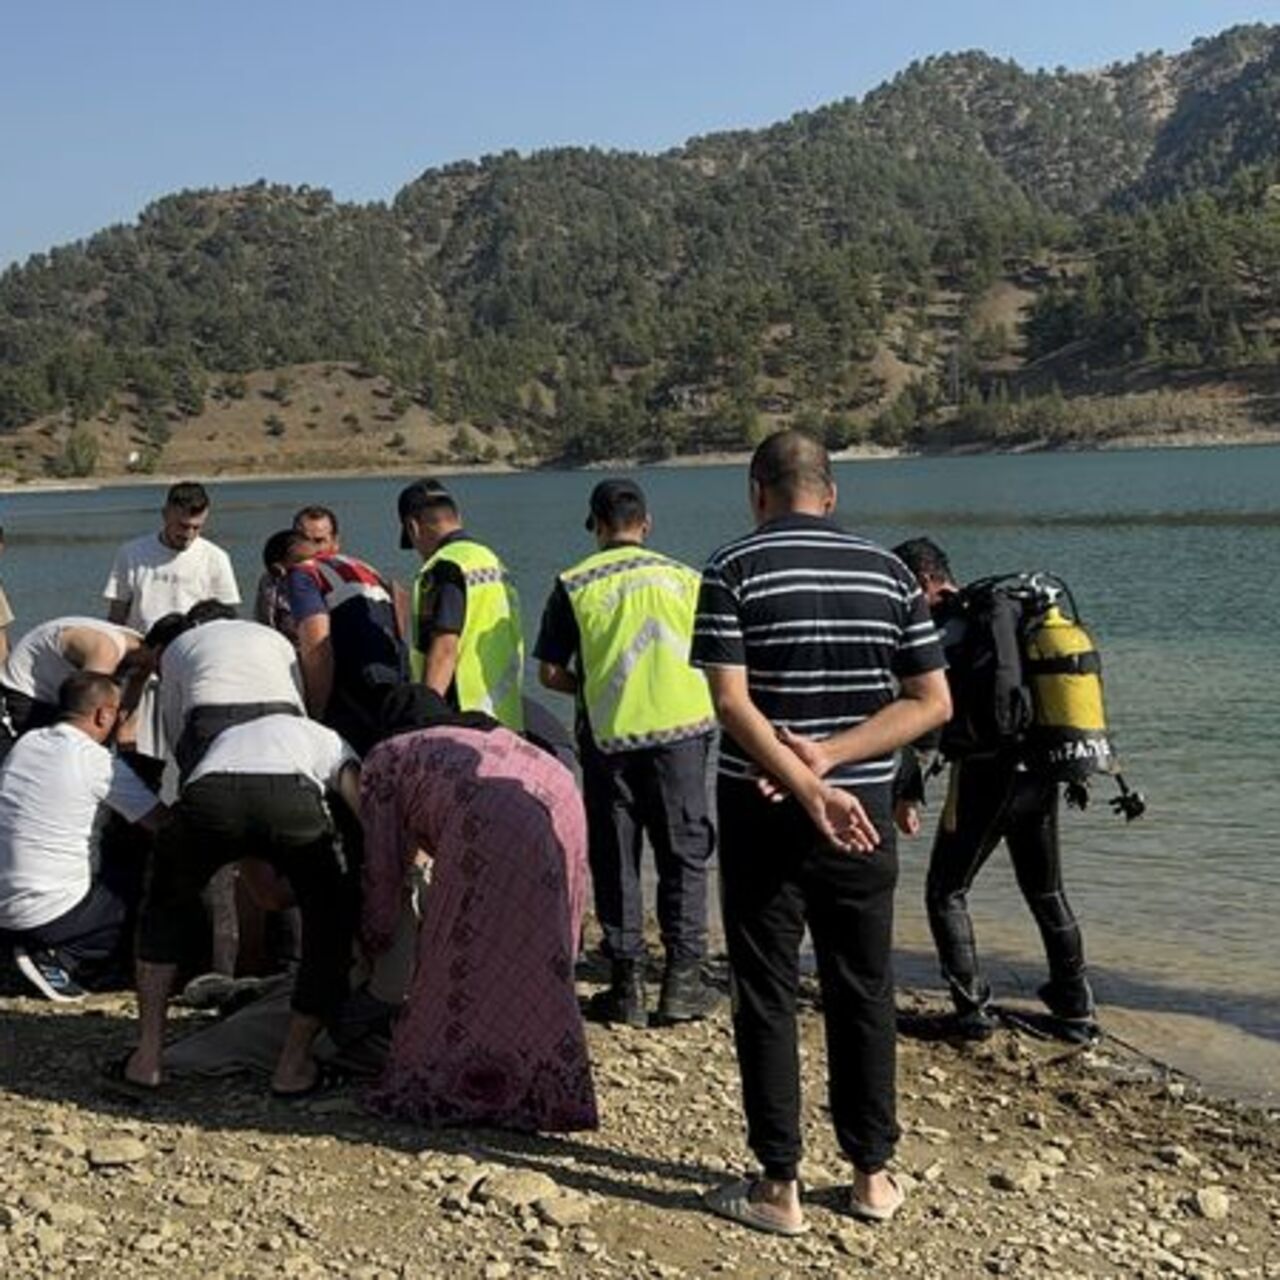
<point x="465" y="640"/>
<point x="616" y="634"/>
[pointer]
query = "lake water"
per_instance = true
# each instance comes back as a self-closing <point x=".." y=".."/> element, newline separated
<point x="1171" y="555"/>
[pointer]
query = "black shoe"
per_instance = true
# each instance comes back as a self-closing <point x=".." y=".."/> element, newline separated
<point x="623" y="1000"/>
<point x="974" y="1023"/>
<point x="46" y="972"/>
<point x="1073" y="1011"/>
<point x="685" y="996"/>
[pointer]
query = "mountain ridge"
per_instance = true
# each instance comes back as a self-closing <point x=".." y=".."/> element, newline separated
<point x="579" y="303"/>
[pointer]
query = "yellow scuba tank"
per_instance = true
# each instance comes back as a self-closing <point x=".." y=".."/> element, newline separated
<point x="1068" y="738"/>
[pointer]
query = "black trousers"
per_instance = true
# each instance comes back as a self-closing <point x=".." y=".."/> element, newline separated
<point x="284" y="820"/>
<point x="662" y="791"/>
<point x="776" y="875"/>
<point x="989" y="800"/>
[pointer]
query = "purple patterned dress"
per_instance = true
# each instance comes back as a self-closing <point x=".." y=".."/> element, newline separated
<point x="491" y="1033"/>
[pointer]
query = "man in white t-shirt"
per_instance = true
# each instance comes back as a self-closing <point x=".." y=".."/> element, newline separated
<point x="66" y="905"/>
<point x="258" y="792"/>
<point x="222" y="671"/>
<point x="170" y="571"/>
<point x="36" y="666"/>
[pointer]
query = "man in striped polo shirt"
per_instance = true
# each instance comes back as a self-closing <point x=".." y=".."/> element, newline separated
<point x="822" y="661"/>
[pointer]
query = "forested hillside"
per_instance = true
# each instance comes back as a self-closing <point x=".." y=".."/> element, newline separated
<point x="973" y="253"/>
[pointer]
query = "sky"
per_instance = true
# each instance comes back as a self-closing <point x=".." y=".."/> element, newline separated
<point x="106" y="105"/>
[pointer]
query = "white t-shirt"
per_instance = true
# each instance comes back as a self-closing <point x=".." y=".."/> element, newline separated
<point x="52" y="789"/>
<point x="223" y="663"/>
<point x="154" y="579"/>
<point x="37" y="666"/>
<point x="277" y="745"/>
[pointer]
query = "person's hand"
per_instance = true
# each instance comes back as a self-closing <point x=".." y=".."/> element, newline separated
<point x="907" y="817"/>
<point x="812" y="751"/>
<point x="840" y="817"/>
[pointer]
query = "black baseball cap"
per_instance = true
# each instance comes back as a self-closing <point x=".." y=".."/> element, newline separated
<point x="616" y="504"/>
<point x="420" y="496"/>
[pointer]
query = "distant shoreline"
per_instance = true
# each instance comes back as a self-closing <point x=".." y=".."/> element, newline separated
<point x="856" y="453"/>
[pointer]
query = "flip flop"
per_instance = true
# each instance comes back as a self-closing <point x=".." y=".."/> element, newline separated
<point x="328" y="1076"/>
<point x="114" y="1081"/>
<point x="733" y="1201"/>
<point x="876" y="1212"/>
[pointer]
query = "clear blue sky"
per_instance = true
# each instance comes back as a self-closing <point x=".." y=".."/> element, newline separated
<point x="108" y="104"/>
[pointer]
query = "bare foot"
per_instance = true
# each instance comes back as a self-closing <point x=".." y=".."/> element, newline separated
<point x="295" y="1079"/>
<point x="875" y="1196"/>
<point x="140" y="1068"/>
<point x="777" y="1201"/>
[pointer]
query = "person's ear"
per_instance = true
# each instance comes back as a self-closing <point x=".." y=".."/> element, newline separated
<point x="829" y="502"/>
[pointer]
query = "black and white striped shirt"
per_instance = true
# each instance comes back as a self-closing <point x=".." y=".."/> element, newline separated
<point x="825" y="624"/>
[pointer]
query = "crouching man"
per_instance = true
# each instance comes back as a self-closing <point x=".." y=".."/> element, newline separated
<point x="258" y="792"/>
<point x="69" y="886"/>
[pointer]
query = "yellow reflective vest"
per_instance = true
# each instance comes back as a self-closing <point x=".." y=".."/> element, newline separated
<point x="490" y="671"/>
<point x="635" y="611"/>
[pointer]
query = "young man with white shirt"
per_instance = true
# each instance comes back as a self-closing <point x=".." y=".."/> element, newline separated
<point x="220" y="672"/>
<point x="170" y="571"/>
<point x="65" y="905"/>
<point x="258" y="792"/>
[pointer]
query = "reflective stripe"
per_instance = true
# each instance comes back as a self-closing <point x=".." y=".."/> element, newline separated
<point x="490" y="667"/>
<point x="653" y="632"/>
<point x="575" y="581"/>
<point x="634" y="610"/>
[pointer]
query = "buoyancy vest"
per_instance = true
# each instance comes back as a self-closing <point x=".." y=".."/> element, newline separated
<point x="635" y="611"/>
<point x="490" y="671"/>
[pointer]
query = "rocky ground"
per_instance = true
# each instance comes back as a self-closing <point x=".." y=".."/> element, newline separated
<point x="1022" y="1157"/>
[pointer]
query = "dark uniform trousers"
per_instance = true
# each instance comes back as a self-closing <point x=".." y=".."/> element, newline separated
<point x="988" y="800"/>
<point x="662" y="791"/>
<point x="777" y="874"/>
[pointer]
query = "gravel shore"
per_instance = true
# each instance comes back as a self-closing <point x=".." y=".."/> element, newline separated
<point x="1021" y="1157"/>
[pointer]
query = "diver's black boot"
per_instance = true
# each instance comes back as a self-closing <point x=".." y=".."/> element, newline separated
<point x="685" y="996"/>
<point x="623" y="1000"/>
<point x="1071" y="1004"/>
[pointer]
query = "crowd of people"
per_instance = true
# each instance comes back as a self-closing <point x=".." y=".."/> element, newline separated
<point x="364" y="757"/>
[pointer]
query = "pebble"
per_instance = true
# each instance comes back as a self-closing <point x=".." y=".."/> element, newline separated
<point x="111" y="1153"/>
<point x="1212" y="1203"/>
<point x="515" y="1188"/>
<point x="1026" y="1178"/>
<point x="564" y="1211"/>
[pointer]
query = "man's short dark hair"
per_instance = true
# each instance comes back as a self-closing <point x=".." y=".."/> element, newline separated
<point x="791" y="462"/>
<point x="279" y="547"/>
<point x="616" y="504"/>
<point x="316" y="513"/>
<point x="211" y="611"/>
<point x="164" y="631"/>
<point x="925" y="559"/>
<point x="420" y="498"/>
<point x="189" y="496"/>
<point x="83" y="692"/>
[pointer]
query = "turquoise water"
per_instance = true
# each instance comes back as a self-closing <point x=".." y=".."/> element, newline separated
<point x="1171" y="555"/>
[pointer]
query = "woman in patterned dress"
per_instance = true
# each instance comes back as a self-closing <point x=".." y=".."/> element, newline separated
<point x="490" y="1032"/>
